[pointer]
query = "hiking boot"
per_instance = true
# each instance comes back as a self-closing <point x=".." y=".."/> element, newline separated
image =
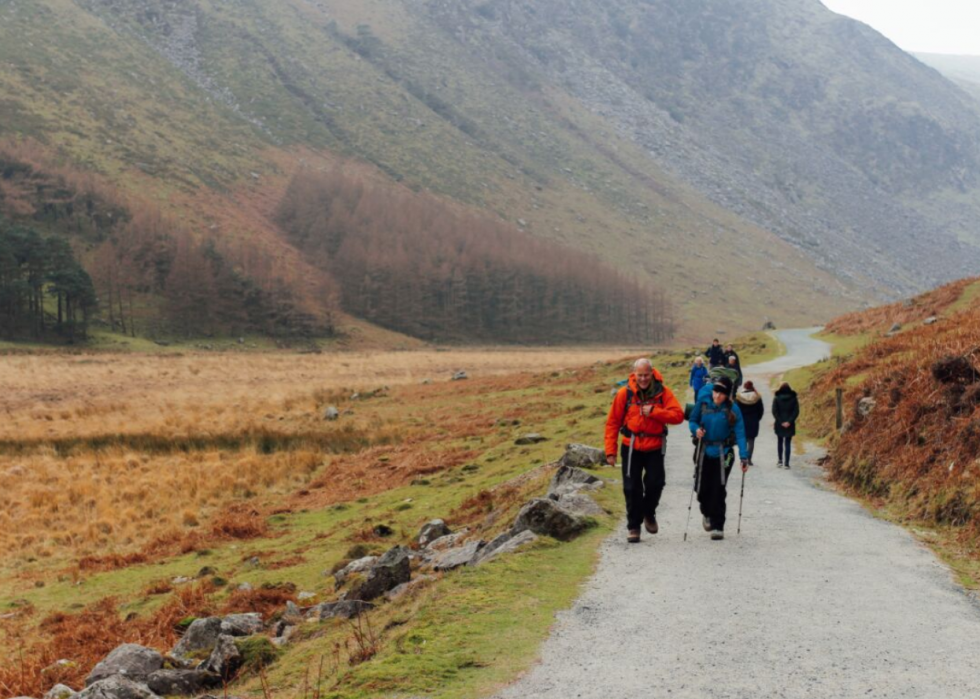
<point x="780" y="465"/>
<point x="717" y="535"/>
<point x="706" y="523"/>
<point x="787" y="467"/>
<point x="651" y="524"/>
<point x="633" y="537"/>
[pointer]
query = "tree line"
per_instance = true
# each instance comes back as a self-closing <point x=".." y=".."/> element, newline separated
<point x="413" y="263"/>
<point x="44" y="290"/>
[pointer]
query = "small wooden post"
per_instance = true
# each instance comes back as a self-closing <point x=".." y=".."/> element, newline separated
<point x="840" y="409"/>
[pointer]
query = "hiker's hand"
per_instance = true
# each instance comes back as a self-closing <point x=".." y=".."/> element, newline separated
<point x="745" y="466"/>
<point x="786" y="425"/>
<point x="611" y="460"/>
<point x="701" y="433"/>
<point x="646" y="410"/>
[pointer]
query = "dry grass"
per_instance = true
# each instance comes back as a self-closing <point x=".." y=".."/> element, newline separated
<point x="919" y="450"/>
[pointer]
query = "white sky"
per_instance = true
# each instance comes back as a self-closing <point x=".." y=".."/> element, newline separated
<point x="930" y="26"/>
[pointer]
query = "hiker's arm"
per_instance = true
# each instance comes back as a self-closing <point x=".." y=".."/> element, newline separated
<point x="671" y="412"/>
<point x="743" y="447"/>
<point x="613" y="422"/>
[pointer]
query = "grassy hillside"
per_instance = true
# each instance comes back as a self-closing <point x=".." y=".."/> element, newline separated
<point x="911" y="411"/>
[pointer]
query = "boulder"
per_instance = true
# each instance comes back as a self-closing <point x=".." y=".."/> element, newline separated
<point x="225" y="659"/>
<point x="460" y="376"/>
<point x="116" y="687"/>
<point x="895" y="327"/>
<point x="331" y="414"/>
<point x="457" y="557"/>
<point x="581" y="504"/>
<point x="168" y="683"/>
<point x="60" y="691"/>
<point x="358" y="566"/>
<point x="433" y="530"/>
<point x="582" y="456"/>
<point x="930" y="321"/>
<point x="568" y="480"/>
<point x="508" y="542"/>
<point x="241" y="624"/>
<point x="391" y="570"/>
<point x="344" y="609"/>
<point x="532" y="438"/>
<point x="129" y="660"/>
<point x="200" y="637"/>
<point x="546" y="517"/>
<point x="445" y="542"/>
<point x="866" y="406"/>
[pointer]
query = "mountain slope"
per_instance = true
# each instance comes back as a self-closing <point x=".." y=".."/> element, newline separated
<point x="661" y="136"/>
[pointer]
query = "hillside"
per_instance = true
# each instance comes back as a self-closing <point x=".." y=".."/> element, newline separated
<point x="912" y="416"/>
<point x="741" y="131"/>
<point x="964" y="70"/>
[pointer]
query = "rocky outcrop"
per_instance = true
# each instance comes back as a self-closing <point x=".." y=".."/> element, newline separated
<point x="546" y="517"/>
<point x="129" y="660"/>
<point x="582" y="456"/>
<point x="169" y="683"/>
<point x="390" y="571"/>
<point x="568" y="480"/>
<point x="433" y="530"/>
<point x="116" y="687"/>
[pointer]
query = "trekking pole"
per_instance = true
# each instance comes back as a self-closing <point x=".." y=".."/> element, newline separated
<point x="741" y="498"/>
<point x="697" y="475"/>
<point x="629" y="459"/>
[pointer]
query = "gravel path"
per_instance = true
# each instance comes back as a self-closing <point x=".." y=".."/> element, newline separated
<point x="816" y="599"/>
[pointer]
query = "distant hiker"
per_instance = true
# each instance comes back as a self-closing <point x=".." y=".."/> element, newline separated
<point x="699" y="375"/>
<point x="785" y="412"/>
<point x="753" y="410"/>
<point x="641" y="412"/>
<point x="729" y="353"/>
<point x="715" y="421"/>
<point x="716" y="355"/>
<point x="733" y="365"/>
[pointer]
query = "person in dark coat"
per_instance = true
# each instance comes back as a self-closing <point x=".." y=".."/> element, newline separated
<point x="733" y="366"/>
<point x="729" y="353"/>
<point x="785" y="413"/>
<point x="753" y="410"/>
<point x="716" y="355"/>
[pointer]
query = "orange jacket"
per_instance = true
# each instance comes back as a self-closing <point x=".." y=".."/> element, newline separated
<point x="648" y="430"/>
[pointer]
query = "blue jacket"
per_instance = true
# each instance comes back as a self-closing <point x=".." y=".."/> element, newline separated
<point x="699" y="374"/>
<point x="714" y="420"/>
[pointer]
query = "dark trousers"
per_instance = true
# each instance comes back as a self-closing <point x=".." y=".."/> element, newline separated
<point x="644" y="485"/>
<point x="712" y="490"/>
<point x="750" y="443"/>
<point x="785" y="445"/>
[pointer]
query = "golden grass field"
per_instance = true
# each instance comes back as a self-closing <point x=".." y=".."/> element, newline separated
<point x="106" y="453"/>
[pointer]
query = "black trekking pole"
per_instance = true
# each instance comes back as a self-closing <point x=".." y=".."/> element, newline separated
<point x="740" y="500"/>
<point x="629" y="459"/>
<point x="697" y="476"/>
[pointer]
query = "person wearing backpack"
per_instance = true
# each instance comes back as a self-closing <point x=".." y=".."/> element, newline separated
<point x="699" y="375"/>
<point x="753" y="410"/>
<point x="785" y="413"/>
<point x="716" y="355"/>
<point x="641" y="412"/>
<point x="715" y="421"/>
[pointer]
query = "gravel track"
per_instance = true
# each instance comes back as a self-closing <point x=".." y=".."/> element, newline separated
<point x="816" y="598"/>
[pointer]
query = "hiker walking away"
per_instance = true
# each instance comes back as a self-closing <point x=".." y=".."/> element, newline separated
<point x="715" y="420"/>
<point x="753" y="410"/>
<point x="733" y="366"/>
<point x="641" y="412"/>
<point x="785" y="413"/>
<point x="699" y="375"/>
<point x="716" y="355"/>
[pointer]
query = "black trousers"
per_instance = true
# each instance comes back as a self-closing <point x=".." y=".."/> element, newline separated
<point x="785" y="449"/>
<point x="712" y="490"/>
<point x="644" y="485"/>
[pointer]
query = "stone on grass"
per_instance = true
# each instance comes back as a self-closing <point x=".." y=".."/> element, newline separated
<point x="201" y="636"/>
<point x="460" y="376"/>
<point x="532" y="438"/>
<point x="569" y="479"/>
<point x="581" y="504"/>
<point x="508" y="542"/>
<point x="582" y="456"/>
<point x="391" y="570"/>
<point x="344" y="609"/>
<point x="60" y="691"/>
<point x="241" y="624"/>
<point x="546" y="517"/>
<point x="331" y="414"/>
<point x="116" y="687"/>
<point x="354" y="567"/>
<point x="866" y="406"/>
<point x="433" y="530"/>
<point x="168" y="683"/>
<point x="225" y="659"/>
<point x="132" y="661"/>
<point x="457" y="557"/>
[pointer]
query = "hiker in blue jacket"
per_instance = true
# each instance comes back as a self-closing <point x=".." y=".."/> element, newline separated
<point x="718" y="424"/>
<point x="699" y="375"/>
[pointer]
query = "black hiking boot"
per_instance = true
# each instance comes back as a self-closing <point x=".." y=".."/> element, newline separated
<point x="706" y="523"/>
<point x="651" y="525"/>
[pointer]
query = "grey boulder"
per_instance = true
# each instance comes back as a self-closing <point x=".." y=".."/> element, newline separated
<point x="457" y="557"/>
<point x="581" y="504"/>
<point x="359" y="566"/>
<point x="391" y="570"/>
<point x="433" y="530"/>
<point x="117" y="687"/>
<point x="225" y="659"/>
<point x="344" y="609"/>
<point x="132" y="661"/>
<point x="168" y="683"/>
<point x="331" y="414"/>
<point x="60" y="691"/>
<point x="582" y="456"/>
<point x="545" y="517"/>
<point x="508" y="542"/>
<point x="533" y="438"/>
<point x="570" y="479"/>
<point x="241" y="624"/>
<point x="201" y="635"/>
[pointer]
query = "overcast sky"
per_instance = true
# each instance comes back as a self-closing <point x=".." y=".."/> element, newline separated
<point x="931" y="26"/>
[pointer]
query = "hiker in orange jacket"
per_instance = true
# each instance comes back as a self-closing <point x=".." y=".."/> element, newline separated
<point x="641" y="412"/>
